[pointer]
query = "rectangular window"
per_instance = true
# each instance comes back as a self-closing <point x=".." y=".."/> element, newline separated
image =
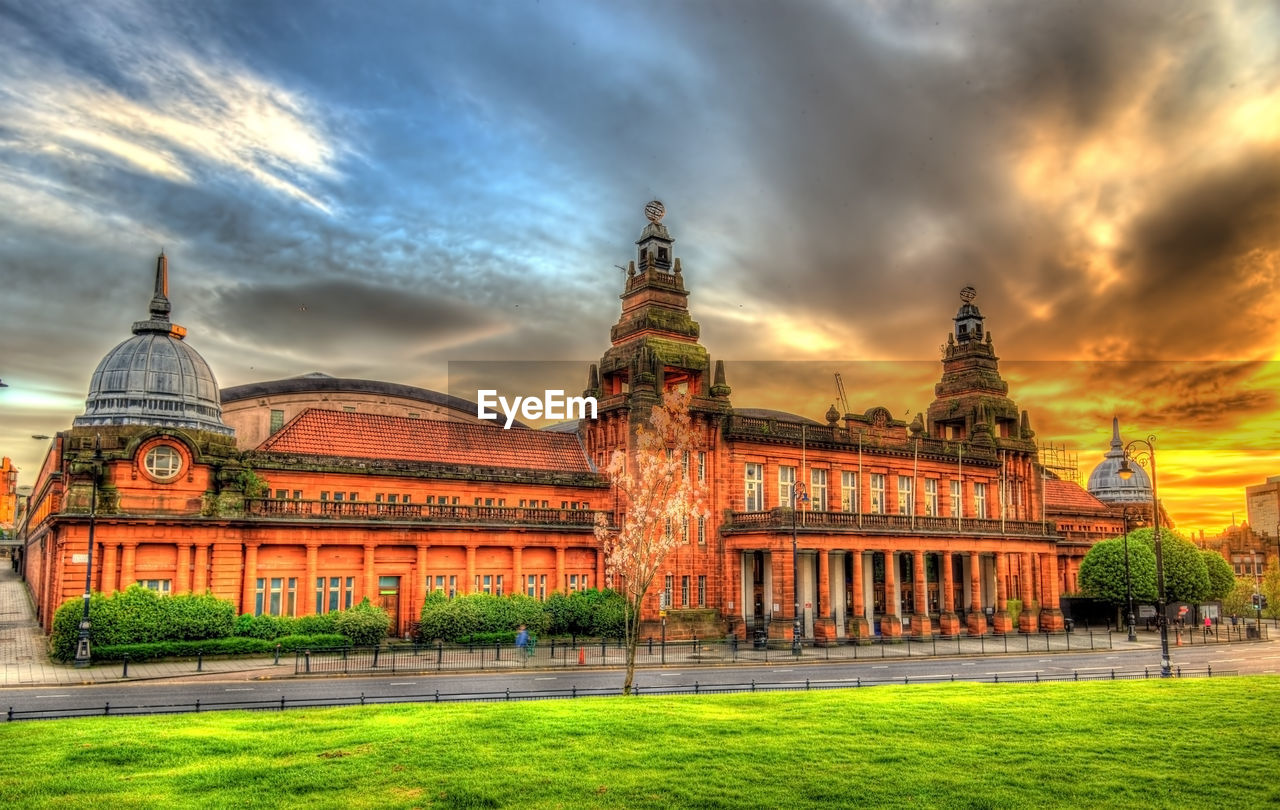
<point x="702" y="530"/>
<point x="931" y="497"/>
<point x="786" y="484"/>
<point x="160" y="586"/>
<point x="667" y="585"/>
<point x="702" y="466"/>
<point x="980" y="500"/>
<point x="684" y="591"/>
<point x="281" y="494"/>
<point x="297" y="494"/>
<point x="498" y="585"/>
<point x="404" y="498"/>
<point x="849" y="491"/>
<point x="573" y="583"/>
<point x="877" y="493"/>
<point x="702" y="590"/>
<point x="906" y="496"/>
<point x="324" y="496"/>
<point x="337" y="496"/>
<point x="277" y="420"/>
<point x="488" y="583"/>
<point x="276" y="596"/>
<point x="531" y="585"/>
<point x="955" y="499"/>
<point x="754" y="488"/>
<point x="377" y="498"/>
<point x="818" y="490"/>
<point x="684" y="530"/>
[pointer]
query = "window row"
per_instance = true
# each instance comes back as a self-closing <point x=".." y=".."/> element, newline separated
<point x="431" y="500"/>
<point x="667" y="597"/>
<point x="819" y="499"/>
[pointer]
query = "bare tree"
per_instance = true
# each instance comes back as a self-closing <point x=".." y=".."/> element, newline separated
<point x="660" y="497"/>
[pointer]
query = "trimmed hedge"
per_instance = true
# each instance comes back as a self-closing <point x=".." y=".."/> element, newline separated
<point x="366" y="624"/>
<point x="485" y="618"/>
<point x="140" y="616"/>
<point x="235" y="645"/>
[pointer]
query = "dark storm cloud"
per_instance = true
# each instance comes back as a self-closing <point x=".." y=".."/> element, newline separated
<point x="327" y="318"/>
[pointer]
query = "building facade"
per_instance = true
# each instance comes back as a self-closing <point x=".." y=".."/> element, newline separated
<point x="304" y="496"/>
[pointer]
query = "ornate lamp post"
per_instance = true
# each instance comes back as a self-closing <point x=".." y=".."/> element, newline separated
<point x="1147" y="451"/>
<point x="82" y="645"/>
<point x="798" y="496"/>
<point x="1128" y="583"/>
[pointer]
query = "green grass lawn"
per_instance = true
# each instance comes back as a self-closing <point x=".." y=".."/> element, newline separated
<point x="1177" y="744"/>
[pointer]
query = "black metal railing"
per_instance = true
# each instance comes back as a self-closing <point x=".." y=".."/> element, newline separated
<point x="424" y="512"/>
<point x="780" y="518"/>
<point x="696" y="688"/>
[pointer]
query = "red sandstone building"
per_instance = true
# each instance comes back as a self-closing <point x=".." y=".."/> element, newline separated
<point x="305" y="495"/>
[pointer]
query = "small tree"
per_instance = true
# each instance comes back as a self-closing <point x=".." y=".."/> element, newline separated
<point x="659" y="496"/>
<point x="1222" y="580"/>
<point x="1102" y="573"/>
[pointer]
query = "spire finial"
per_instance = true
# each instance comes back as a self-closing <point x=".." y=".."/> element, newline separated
<point x="160" y="301"/>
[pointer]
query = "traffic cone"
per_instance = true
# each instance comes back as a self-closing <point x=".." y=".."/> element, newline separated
<point x="582" y="656"/>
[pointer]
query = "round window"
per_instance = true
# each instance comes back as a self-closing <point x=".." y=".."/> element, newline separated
<point x="163" y="462"/>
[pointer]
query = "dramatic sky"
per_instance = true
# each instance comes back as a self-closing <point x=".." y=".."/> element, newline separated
<point x="376" y="189"/>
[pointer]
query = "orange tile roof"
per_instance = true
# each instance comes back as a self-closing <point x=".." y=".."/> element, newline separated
<point x="321" y="432"/>
<point x="1070" y="496"/>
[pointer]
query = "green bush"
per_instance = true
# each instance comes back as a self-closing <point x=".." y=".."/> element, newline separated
<point x="490" y="618"/>
<point x="139" y="616"/>
<point x="365" y="625"/>
<point x="232" y="645"/>
<point x="465" y="617"/>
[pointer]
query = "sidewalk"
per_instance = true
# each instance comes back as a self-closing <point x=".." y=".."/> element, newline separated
<point x="24" y="659"/>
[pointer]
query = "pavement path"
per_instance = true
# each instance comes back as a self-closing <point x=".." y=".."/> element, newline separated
<point x="24" y="655"/>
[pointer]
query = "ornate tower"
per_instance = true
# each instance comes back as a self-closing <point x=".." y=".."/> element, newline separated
<point x="654" y="347"/>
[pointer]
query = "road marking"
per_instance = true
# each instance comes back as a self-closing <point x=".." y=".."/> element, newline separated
<point x="403" y="683"/>
<point x="882" y="666"/>
<point x="670" y="674"/>
<point x="1111" y="657"/>
<point x="1267" y="671"/>
<point x="54" y="696"/>
<point x="552" y="678"/>
<point x="968" y="663"/>
<point x="240" y="689"/>
<point x="784" y="670"/>
<point x="1044" y="660"/>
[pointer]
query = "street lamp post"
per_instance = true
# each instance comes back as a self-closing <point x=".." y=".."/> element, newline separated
<point x="1128" y="582"/>
<point x="798" y="496"/>
<point x="82" y="645"/>
<point x="1147" y="450"/>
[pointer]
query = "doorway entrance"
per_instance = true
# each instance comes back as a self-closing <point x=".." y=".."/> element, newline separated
<point x="389" y="600"/>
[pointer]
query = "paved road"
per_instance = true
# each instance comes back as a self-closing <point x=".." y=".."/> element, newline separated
<point x="219" y="690"/>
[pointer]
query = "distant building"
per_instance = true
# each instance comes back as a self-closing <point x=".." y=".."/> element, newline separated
<point x="1263" y="504"/>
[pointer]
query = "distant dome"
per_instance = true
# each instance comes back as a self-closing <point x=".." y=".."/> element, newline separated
<point x="1105" y="482"/>
<point x="154" y="378"/>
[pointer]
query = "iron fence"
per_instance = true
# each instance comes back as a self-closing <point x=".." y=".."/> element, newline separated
<point x="657" y="652"/>
<point x="571" y="692"/>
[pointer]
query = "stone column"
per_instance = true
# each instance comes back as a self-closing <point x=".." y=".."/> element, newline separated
<point x="948" y="621"/>
<point x="561" y="584"/>
<point x="1027" y="619"/>
<point x="107" y="578"/>
<point x="182" y="572"/>
<point x="247" y="602"/>
<point x="200" y="582"/>
<point x="920" y="623"/>
<point x="127" y="575"/>
<point x="1051" y="614"/>
<point x="977" y="619"/>
<point x="824" y="625"/>
<point x="309" y="589"/>
<point x="859" y="625"/>
<point x="1002" y="621"/>
<point x="517" y="567"/>
<point x="370" y="578"/>
<point x="891" y="621"/>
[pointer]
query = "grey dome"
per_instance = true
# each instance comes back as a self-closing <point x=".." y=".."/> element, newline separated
<point x="1105" y="482"/>
<point x="154" y="378"/>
